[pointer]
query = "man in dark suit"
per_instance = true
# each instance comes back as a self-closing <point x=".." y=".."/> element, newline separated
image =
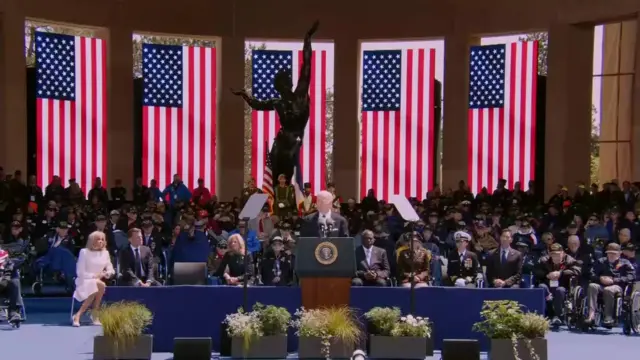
<point x="335" y="224"/>
<point x="504" y="265"/>
<point x="372" y="263"/>
<point x="136" y="262"/>
<point x="463" y="267"/>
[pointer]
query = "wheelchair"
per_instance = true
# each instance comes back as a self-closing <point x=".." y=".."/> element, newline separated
<point x="626" y="312"/>
<point x="4" y="310"/>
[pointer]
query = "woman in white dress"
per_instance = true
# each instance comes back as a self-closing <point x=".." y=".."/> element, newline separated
<point x="94" y="266"/>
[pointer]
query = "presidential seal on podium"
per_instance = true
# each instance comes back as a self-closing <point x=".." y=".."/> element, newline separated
<point x="326" y="253"/>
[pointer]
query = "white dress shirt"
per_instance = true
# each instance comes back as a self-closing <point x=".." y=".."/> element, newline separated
<point x="367" y="254"/>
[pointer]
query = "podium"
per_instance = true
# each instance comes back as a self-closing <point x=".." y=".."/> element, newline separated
<point x="325" y="268"/>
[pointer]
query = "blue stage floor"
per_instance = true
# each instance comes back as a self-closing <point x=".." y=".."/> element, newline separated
<point x="47" y="335"/>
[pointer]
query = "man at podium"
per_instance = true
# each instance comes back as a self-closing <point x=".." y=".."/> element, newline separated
<point x="334" y="223"/>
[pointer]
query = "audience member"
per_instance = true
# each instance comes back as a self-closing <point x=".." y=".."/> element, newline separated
<point x="232" y="268"/>
<point x="372" y="264"/>
<point x="609" y="276"/>
<point x="10" y="285"/>
<point x="463" y="267"/>
<point x="504" y="266"/>
<point x="554" y="273"/>
<point x="137" y="266"/>
<point x="93" y="269"/>
<point x="414" y="263"/>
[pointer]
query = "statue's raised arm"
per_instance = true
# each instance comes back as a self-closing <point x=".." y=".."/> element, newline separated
<point x="254" y="103"/>
<point x="304" y="80"/>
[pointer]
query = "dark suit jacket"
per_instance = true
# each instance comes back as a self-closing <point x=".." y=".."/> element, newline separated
<point x="510" y="271"/>
<point x="127" y="260"/>
<point x="468" y="266"/>
<point x="379" y="262"/>
<point x="310" y="226"/>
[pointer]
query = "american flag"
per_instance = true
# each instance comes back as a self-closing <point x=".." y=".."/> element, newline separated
<point x="502" y="114"/>
<point x="267" y="177"/>
<point x="397" y="122"/>
<point x="71" y="111"/>
<point x="265" y="124"/>
<point x="179" y="114"/>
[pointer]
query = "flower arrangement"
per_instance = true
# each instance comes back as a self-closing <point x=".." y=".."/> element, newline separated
<point x="505" y="319"/>
<point x="261" y="321"/>
<point x="390" y="322"/>
<point x="331" y="324"/>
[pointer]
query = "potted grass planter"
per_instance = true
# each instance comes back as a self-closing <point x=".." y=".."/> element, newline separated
<point x="393" y="336"/>
<point x="326" y="333"/>
<point x="123" y="338"/>
<point x="514" y="334"/>
<point x="260" y="333"/>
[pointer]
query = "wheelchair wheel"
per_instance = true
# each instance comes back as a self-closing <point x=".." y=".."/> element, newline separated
<point x="574" y="309"/>
<point x="633" y="312"/>
<point x="37" y="288"/>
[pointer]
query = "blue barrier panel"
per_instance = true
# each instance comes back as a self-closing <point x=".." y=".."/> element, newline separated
<point x="197" y="311"/>
<point x="453" y="311"/>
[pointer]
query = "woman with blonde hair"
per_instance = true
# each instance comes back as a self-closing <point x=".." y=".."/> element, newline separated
<point x="93" y="267"/>
<point x="231" y="268"/>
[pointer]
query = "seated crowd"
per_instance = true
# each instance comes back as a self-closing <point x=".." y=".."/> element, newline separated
<point x="505" y="238"/>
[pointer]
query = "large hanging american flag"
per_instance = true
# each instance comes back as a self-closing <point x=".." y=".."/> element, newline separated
<point x="397" y="122"/>
<point x="266" y="124"/>
<point x="179" y="114"/>
<point x="502" y="114"/>
<point x="71" y="113"/>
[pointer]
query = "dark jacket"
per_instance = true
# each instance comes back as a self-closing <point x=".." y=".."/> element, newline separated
<point x="465" y="266"/>
<point x="379" y="262"/>
<point x="273" y="266"/>
<point x="621" y="271"/>
<point x="234" y="263"/>
<point x="568" y="268"/>
<point x="127" y="264"/>
<point x="510" y="272"/>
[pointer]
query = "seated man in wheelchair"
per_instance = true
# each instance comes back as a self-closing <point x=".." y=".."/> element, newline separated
<point x="609" y="276"/>
<point x="463" y="266"/>
<point x="553" y="273"/>
<point x="10" y="286"/>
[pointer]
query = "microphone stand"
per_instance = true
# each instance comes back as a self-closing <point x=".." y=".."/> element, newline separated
<point x="412" y="295"/>
<point x="245" y="277"/>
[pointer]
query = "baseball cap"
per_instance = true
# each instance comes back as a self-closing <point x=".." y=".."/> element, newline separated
<point x="63" y="225"/>
<point x="629" y="247"/>
<point x="555" y="248"/>
<point x="613" y="248"/>
<point x="114" y="212"/>
<point x="101" y="218"/>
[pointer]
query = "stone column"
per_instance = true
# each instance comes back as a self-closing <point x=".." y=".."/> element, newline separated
<point x="616" y="89"/>
<point x="568" y="103"/>
<point x="13" y="89"/>
<point x="230" y="119"/>
<point x="346" y="117"/>
<point x="455" y="129"/>
<point x="120" y="120"/>
<point x="635" y="120"/>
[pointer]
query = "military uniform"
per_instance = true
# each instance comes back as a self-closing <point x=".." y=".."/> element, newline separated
<point x="421" y="262"/>
<point x="284" y="200"/>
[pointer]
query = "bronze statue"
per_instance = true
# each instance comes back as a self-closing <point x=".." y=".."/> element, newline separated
<point x="293" y="111"/>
